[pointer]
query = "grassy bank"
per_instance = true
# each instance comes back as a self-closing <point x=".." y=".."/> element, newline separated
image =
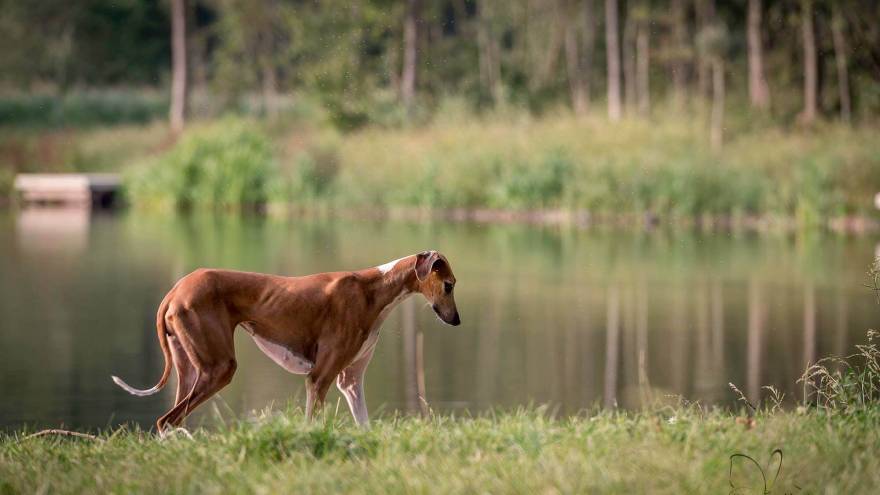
<point x="510" y="163"/>
<point x="635" y="168"/>
<point x="829" y="444"/>
<point x="676" y="450"/>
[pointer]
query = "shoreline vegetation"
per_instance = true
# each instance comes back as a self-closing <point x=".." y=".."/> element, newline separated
<point x="502" y="166"/>
<point x="827" y="444"/>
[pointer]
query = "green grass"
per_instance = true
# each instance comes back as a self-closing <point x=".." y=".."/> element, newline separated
<point x="680" y="450"/>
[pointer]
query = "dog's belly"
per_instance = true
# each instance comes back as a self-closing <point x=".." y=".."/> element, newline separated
<point x="288" y="359"/>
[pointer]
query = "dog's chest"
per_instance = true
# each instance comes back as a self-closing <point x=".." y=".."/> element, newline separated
<point x="373" y="336"/>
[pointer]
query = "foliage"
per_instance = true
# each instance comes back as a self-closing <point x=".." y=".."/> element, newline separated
<point x="846" y="383"/>
<point x="508" y="161"/>
<point x="227" y="164"/>
<point x="81" y="109"/>
<point x="490" y="54"/>
<point x="88" y="43"/>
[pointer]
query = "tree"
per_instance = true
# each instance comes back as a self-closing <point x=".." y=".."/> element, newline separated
<point x="612" y="47"/>
<point x="712" y="43"/>
<point x="759" y="93"/>
<point x="489" y="51"/>
<point x="840" y="58"/>
<point x="679" y="53"/>
<point x="588" y="40"/>
<point x="643" y="44"/>
<point x="578" y="64"/>
<point x="179" y="86"/>
<point x="811" y="76"/>
<point x="628" y="50"/>
<point x="705" y="18"/>
<point x="410" y="53"/>
<point x="716" y="136"/>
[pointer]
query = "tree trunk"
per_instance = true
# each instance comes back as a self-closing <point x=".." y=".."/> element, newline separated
<point x="270" y="87"/>
<point x="679" y="67"/>
<point x="629" y="62"/>
<point x="546" y="71"/>
<point x="811" y="77"/>
<point x="179" y="87"/>
<point x="717" y="124"/>
<point x="705" y="18"/>
<point x="268" y="78"/>
<point x="573" y="64"/>
<point x="490" y="63"/>
<point x="612" y="46"/>
<point x="588" y="9"/>
<point x="643" y="88"/>
<point x="759" y="93"/>
<point x="840" y="58"/>
<point x="410" y="53"/>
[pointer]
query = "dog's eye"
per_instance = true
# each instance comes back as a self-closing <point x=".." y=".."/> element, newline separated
<point x="447" y="287"/>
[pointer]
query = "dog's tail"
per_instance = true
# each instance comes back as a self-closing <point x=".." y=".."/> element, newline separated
<point x="163" y="343"/>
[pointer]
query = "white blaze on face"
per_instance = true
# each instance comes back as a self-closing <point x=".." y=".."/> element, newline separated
<point x="387" y="267"/>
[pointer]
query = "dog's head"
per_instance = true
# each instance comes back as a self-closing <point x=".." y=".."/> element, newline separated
<point x="437" y="284"/>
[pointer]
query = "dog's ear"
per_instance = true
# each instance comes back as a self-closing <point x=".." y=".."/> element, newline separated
<point x="425" y="263"/>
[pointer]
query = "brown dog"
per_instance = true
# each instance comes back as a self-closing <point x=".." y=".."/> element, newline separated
<point x="324" y="326"/>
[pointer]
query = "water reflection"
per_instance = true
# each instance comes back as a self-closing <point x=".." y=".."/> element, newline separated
<point x="551" y="315"/>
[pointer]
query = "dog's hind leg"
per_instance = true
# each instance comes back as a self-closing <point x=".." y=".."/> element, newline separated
<point x="206" y="385"/>
<point x="211" y="355"/>
<point x="186" y="372"/>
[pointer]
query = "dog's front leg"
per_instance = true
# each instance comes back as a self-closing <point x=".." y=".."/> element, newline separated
<point x="311" y="398"/>
<point x="351" y="383"/>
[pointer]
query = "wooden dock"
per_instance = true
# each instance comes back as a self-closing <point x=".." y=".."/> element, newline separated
<point x="77" y="190"/>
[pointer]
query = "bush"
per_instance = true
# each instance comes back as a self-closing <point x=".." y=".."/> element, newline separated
<point x="225" y="165"/>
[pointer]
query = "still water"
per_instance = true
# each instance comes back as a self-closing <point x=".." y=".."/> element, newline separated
<point x="560" y="316"/>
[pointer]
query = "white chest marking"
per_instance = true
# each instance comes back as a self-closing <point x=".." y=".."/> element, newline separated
<point x="387" y="267"/>
<point x="370" y="343"/>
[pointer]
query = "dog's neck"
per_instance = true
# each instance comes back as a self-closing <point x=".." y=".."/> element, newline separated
<point x="393" y="281"/>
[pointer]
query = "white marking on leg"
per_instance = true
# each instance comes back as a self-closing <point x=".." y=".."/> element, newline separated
<point x="354" y="395"/>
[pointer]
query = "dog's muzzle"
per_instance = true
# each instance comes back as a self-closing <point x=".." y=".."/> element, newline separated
<point x="454" y="321"/>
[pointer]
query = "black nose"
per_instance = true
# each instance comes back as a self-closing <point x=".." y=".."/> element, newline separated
<point x="456" y="321"/>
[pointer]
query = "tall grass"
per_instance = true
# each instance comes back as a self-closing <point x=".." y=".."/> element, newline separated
<point x="635" y="167"/>
<point x="227" y="164"/>
<point x="850" y="384"/>
<point x="512" y="162"/>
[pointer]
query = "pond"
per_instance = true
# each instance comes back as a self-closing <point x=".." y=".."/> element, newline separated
<point x="568" y="317"/>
